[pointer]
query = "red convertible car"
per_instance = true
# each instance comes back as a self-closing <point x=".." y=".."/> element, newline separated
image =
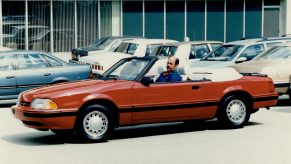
<point x="127" y="95"/>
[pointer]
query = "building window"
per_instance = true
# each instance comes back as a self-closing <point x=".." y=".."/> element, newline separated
<point x="272" y="2"/>
<point x="154" y="19"/>
<point x="175" y="20"/>
<point x="87" y="22"/>
<point x="253" y="20"/>
<point x="234" y="20"/>
<point x="195" y="20"/>
<point x="132" y="18"/>
<point x="271" y="22"/>
<point x="106" y="18"/>
<point x="13" y="22"/>
<point x="63" y="25"/>
<point x="38" y="27"/>
<point x="215" y="20"/>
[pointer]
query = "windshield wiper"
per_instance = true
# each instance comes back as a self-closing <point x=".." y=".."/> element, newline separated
<point x="115" y="77"/>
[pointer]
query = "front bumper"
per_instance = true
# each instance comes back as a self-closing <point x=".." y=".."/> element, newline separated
<point x="45" y="119"/>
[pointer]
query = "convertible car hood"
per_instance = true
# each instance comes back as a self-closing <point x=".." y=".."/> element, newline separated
<point x="73" y="88"/>
<point x="255" y="66"/>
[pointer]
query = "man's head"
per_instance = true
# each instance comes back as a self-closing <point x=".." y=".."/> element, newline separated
<point x="172" y="64"/>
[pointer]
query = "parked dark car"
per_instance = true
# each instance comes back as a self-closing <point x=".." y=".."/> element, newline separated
<point x="103" y="44"/>
<point x="21" y="70"/>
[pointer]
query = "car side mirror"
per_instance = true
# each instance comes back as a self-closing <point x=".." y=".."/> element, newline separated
<point x="241" y="59"/>
<point x="146" y="81"/>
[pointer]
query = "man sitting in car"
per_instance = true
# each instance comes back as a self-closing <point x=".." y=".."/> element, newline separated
<point x="171" y="75"/>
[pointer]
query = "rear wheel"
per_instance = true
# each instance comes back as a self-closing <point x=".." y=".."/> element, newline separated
<point x="234" y="111"/>
<point x="94" y="123"/>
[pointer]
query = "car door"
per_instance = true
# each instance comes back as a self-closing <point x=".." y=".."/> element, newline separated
<point x="32" y="71"/>
<point x="168" y="101"/>
<point x="7" y="77"/>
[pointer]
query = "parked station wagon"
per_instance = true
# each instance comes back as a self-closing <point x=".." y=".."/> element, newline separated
<point x="125" y="95"/>
<point x="21" y="70"/>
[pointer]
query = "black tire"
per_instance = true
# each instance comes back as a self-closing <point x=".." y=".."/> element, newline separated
<point x="234" y="111"/>
<point x="94" y="123"/>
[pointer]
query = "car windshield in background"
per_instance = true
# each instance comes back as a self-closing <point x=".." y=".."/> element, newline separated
<point x="128" y="48"/>
<point x="164" y="51"/>
<point x="102" y="43"/>
<point x="275" y="52"/>
<point x="127" y="69"/>
<point x="223" y="53"/>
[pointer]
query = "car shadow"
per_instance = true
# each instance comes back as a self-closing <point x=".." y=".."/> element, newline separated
<point x="283" y="102"/>
<point x="48" y="138"/>
<point x="6" y="105"/>
<point x="170" y="128"/>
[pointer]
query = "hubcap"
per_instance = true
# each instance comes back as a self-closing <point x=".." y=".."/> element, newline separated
<point x="236" y="111"/>
<point x="95" y="124"/>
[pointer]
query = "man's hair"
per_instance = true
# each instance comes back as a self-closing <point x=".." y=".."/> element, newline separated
<point x="177" y="61"/>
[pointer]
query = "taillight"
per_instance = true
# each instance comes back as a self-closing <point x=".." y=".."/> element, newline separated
<point x="271" y="87"/>
<point x="97" y="67"/>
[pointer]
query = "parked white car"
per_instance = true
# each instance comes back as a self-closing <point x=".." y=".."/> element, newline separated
<point x="100" y="46"/>
<point x="136" y="47"/>
<point x="233" y="53"/>
<point x="184" y="51"/>
<point x="276" y="63"/>
<point x="5" y="49"/>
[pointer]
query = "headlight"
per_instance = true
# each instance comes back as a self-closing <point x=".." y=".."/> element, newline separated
<point x="43" y="104"/>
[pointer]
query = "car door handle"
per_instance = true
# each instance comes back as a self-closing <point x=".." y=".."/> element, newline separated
<point x="10" y="77"/>
<point x="47" y="74"/>
<point x="196" y="87"/>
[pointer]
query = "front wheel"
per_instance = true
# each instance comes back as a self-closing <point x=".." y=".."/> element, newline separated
<point x="234" y="111"/>
<point x="94" y="123"/>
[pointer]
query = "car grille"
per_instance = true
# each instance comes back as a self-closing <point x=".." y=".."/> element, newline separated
<point x="24" y="103"/>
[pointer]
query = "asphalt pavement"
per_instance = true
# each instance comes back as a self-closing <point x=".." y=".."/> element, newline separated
<point x="265" y="140"/>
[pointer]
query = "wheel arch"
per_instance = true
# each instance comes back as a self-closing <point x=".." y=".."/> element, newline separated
<point x="111" y="106"/>
<point x="249" y="98"/>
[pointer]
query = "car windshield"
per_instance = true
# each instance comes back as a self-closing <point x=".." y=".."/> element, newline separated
<point x="276" y="52"/>
<point x="103" y="43"/>
<point x="164" y="51"/>
<point x="127" y="69"/>
<point x="223" y="53"/>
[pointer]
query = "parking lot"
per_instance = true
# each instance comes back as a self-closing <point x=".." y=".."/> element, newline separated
<point x="266" y="139"/>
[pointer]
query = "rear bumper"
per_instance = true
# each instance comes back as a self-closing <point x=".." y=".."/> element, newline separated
<point x="265" y="101"/>
<point x="282" y="88"/>
<point x="42" y="120"/>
